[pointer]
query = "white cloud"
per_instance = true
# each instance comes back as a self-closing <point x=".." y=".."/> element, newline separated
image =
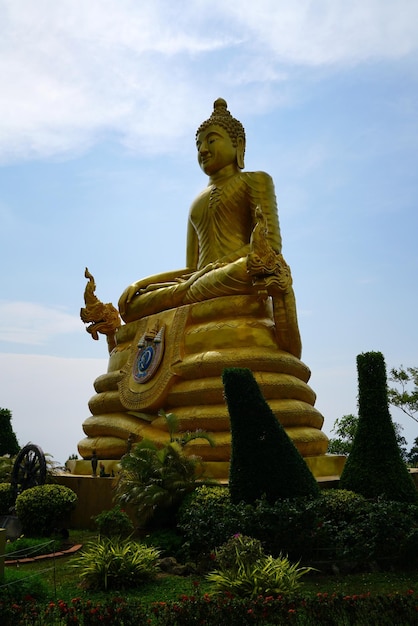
<point x="34" y="324"/>
<point x="72" y="71"/>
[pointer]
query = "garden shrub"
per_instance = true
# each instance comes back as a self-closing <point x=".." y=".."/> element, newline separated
<point x="338" y="525"/>
<point x="43" y="508"/>
<point x="6" y="467"/>
<point x="169" y="541"/>
<point x="6" y="498"/>
<point x="207" y="518"/>
<point x="114" y="523"/>
<point x="264" y="460"/>
<point x="375" y="467"/>
<point x="285" y="527"/>
<point x="243" y="569"/>
<point x="115" y="564"/>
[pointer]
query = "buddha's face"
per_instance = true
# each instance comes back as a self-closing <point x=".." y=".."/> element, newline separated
<point x="215" y="149"/>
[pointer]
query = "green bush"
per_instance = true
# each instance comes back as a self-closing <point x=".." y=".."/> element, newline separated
<point x="375" y="467"/>
<point x="169" y="541"/>
<point x="356" y="529"/>
<point x="114" y="523"/>
<point x="339" y="525"/>
<point x="43" y="508"/>
<point x="6" y="498"/>
<point x="264" y="460"/>
<point x="6" y="467"/>
<point x="115" y="564"/>
<point x="244" y="570"/>
<point x="207" y="518"/>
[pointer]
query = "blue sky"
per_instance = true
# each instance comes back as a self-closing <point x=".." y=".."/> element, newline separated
<point x="99" y="106"/>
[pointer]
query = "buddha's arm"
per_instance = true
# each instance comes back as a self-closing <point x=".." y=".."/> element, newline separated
<point x="261" y="189"/>
<point x="151" y="283"/>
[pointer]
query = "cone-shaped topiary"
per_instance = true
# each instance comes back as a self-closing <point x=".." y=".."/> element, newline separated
<point x="264" y="461"/>
<point x="375" y="467"/>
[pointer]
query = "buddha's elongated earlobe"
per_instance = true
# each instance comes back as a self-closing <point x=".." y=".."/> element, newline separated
<point x="240" y="152"/>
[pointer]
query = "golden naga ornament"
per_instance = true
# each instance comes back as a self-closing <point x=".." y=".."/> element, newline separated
<point x="232" y="305"/>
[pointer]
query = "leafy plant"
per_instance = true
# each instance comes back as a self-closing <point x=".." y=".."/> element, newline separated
<point x="114" y="523"/>
<point x="6" y="498"/>
<point x="115" y="564"/>
<point x="41" y="509"/>
<point x="246" y="571"/>
<point x="6" y="467"/>
<point x="207" y="518"/>
<point x="155" y="481"/>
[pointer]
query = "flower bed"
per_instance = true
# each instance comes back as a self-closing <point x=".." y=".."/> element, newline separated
<point x="224" y="610"/>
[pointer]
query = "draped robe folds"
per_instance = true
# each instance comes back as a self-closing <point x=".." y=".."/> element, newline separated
<point x="221" y="221"/>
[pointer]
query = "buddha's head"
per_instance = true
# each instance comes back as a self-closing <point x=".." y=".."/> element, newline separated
<point x="230" y="130"/>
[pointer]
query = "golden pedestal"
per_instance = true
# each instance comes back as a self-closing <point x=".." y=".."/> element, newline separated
<point x="183" y="375"/>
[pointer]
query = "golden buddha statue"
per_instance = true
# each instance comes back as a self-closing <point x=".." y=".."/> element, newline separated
<point x="232" y="305"/>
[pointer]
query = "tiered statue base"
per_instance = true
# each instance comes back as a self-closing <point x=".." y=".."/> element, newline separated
<point x="174" y="360"/>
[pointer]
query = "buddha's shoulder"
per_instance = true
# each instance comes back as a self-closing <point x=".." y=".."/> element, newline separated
<point x="258" y="179"/>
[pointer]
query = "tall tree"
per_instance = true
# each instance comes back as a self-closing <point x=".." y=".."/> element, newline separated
<point x="264" y="460"/>
<point x="8" y="439"/>
<point x="345" y="429"/>
<point x="404" y="397"/>
<point x="374" y="467"/>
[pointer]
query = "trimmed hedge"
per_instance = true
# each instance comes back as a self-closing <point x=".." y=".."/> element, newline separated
<point x="374" y="467"/>
<point x="264" y="460"/>
<point x="43" y="508"/>
<point x="339" y="526"/>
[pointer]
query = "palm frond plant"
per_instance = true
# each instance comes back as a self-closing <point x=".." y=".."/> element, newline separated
<point x="155" y="481"/>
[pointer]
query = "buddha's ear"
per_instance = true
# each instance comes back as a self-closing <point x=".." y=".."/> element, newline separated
<point x="240" y="151"/>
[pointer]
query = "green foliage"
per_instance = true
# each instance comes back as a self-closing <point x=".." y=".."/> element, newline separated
<point x="43" y="508"/>
<point x="404" y="397"/>
<point x="412" y="456"/>
<point x="168" y="540"/>
<point x="238" y="549"/>
<point x="28" y="547"/>
<point x="346" y="427"/>
<point x="244" y="570"/>
<point x="18" y="585"/>
<point x="185" y="437"/>
<point x="374" y="467"/>
<point x="114" y="523"/>
<point x="264" y="461"/>
<point x="114" y="564"/>
<point x="155" y="481"/>
<point x="207" y="518"/>
<point x="368" y="531"/>
<point x="339" y="525"/>
<point x="6" y="498"/>
<point x="6" y="467"/>
<point x="8" y="440"/>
